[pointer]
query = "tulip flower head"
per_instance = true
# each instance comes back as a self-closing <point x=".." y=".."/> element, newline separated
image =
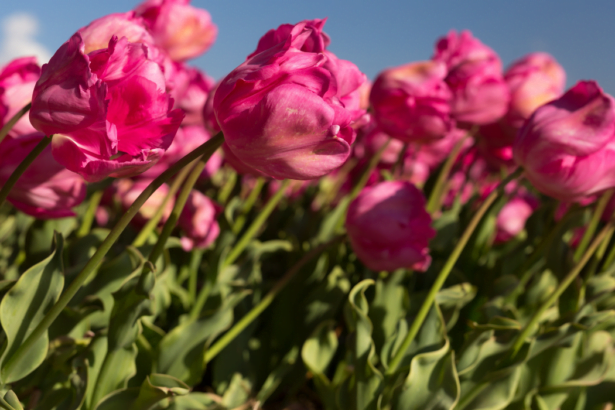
<point x="288" y="110"/>
<point x="108" y="109"/>
<point x="198" y="221"/>
<point x="567" y="147"/>
<point x="480" y="94"/>
<point x="46" y="189"/>
<point x="412" y="102"/>
<point x="389" y="227"/>
<point x="17" y="80"/>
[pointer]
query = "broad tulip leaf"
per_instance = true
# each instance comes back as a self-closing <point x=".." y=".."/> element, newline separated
<point x="24" y="307"/>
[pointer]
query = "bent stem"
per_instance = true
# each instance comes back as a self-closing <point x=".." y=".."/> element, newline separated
<point x="446" y="269"/>
<point x="605" y="232"/>
<point x="435" y="197"/>
<point x="21" y="168"/>
<point x="100" y="253"/>
<point x="248" y="204"/>
<point x="4" y="131"/>
<point x="266" y="301"/>
<point x="256" y="225"/>
<point x="153" y="222"/>
<point x="180" y="202"/>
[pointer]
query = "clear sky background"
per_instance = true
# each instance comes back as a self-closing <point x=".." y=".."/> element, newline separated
<point x="580" y="35"/>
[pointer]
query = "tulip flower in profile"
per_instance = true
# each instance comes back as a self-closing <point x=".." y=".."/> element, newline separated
<point x="17" y="80"/>
<point x="389" y="227"/>
<point x="567" y="147"/>
<point x="193" y="97"/>
<point x="288" y="110"/>
<point x="412" y="102"/>
<point x="181" y="30"/>
<point x="198" y="221"/>
<point x="108" y="109"/>
<point x="480" y="94"/>
<point x="512" y="217"/>
<point x="97" y="34"/>
<point x="46" y="189"/>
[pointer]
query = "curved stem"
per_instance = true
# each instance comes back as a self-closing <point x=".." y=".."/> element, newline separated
<point x="435" y="198"/>
<point x="248" y="204"/>
<point x="446" y="269"/>
<point x="256" y="225"/>
<point x="606" y="231"/>
<point x="593" y="224"/>
<point x="11" y="123"/>
<point x="100" y="253"/>
<point x="90" y="213"/>
<point x="180" y="202"/>
<point x="21" y="168"/>
<point x="266" y="301"/>
<point x="153" y="222"/>
<point x="196" y="256"/>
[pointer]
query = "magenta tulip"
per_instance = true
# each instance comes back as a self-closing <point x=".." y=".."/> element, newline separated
<point x="128" y="190"/>
<point x="412" y="102"/>
<point x="181" y="30"/>
<point x="480" y="94"/>
<point x="512" y="217"/>
<point x="194" y="95"/>
<point x="198" y="221"/>
<point x="288" y="110"/>
<point x="108" y="108"/>
<point x="389" y="227"/>
<point x="98" y="33"/>
<point x="46" y="189"/>
<point x="567" y="147"/>
<point x="17" y="80"/>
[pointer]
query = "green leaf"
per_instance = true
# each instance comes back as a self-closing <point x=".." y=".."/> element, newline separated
<point x="181" y="352"/>
<point x="192" y="401"/>
<point x="389" y="306"/>
<point x="154" y="389"/>
<point x="317" y="353"/>
<point x="367" y="384"/>
<point x="25" y="305"/>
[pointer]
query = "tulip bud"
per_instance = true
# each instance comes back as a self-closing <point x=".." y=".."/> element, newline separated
<point x="128" y="191"/>
<point x="389" y="227"/>
<point x="46" y="189"/>
<point x="285" y="111"/>
<point x="108" y="108"/>
<point x="181" y="30"/>
<point x="567" y="146"/>
<point x="17" y="81"/>
<point x="198" y="221"/>
<point x="512" y="217"/>
<point x="480" y="94"/>
<point x="412" y="102"/>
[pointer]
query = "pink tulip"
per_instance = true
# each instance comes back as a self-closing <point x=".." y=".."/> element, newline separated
<point x="181" y="30"/>
<point x="109" y="109"/>
<point x="193" y="98"/>
<point x="198" y="221"/>
<point x="46" y="189"/>
<point x="128" y="190"/>
<point x="567" y="147"/>
<point x="512" y="217"/>
<point x="533" y="80"/>
<point x="480" y="94"/>
<point x="412" y="102"/>
<point x="288" y="110"/>
<point x="389" y="228"/>
<point x="97" y="34"/>
<point x="187" y="139"/>
<point x="239" y="166"/>
<point x="17" y="80"/>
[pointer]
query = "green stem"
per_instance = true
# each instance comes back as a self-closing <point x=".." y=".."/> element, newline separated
<point x="153" y="222"/>
<point x="90" y="213"/>
<point x="593" y="224"/>
<point x="195" y="261"/>
<point x="446" y="269"/>
<point x="438" y="191"/>
<point x="561" y="288"/>
<point x="195" y="312"/>
<point x="11" y="123"/>
<point x="266" y="301"/>
<point x="100" y="253"/>
<point x="180" y="202"/>
<point x="227" y="188"/>
<point x="21" y="168"/>
<point x="256" y="225"/>
<point x="248" y="204"/>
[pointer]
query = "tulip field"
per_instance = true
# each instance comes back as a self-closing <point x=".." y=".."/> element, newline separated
<point x="296" y="236"/>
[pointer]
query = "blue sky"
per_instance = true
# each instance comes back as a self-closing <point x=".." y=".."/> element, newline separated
<point x="374" y="36"/>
